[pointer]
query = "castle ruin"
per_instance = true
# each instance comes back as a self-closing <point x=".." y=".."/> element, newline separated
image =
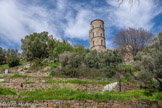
<point x="97" y="35"/>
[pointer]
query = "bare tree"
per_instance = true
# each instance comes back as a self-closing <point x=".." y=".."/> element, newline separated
<point x="130" y="1"/>
<point x="132" y="39"/>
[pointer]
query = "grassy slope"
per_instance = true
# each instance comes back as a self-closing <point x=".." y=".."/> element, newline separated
<point x="65" y="94"/>
<point x="7" y="91"/>
<point x="5" y="66"/>
<point x="77" y="81"/>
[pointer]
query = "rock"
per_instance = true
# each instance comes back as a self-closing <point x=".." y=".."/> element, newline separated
<point x="27" y="66"/>
<point x="6" y="71"/>
<point x="110" y="87"/>
<point x="1" y="80"/>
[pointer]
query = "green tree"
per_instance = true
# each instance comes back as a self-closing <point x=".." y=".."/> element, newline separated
<point x="79" y="48"/>
<point x="92" y="59"/>
<point x="59" y="48"/>
<point x="2" y="56"/>
<point x="149" y="63"/>
<point x="35" y="45"/>
<point x="12" y="57"/>
<point x="12" y="61"/>
<point x="70" y="59"/>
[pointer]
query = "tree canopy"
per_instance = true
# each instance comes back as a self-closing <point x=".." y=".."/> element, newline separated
<point x="35" y="45"/>
<point x="149" y="63"/>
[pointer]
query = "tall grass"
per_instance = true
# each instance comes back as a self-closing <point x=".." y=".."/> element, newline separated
<point x="67" y="94"/>
<point x="77" y="81"/>
<point x="7" y="91"/>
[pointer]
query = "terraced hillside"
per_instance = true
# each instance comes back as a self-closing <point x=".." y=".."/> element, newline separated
<point x="21" y="88"/>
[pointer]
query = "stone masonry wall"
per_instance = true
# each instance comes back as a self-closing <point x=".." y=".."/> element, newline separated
<point x="82" y="104"/>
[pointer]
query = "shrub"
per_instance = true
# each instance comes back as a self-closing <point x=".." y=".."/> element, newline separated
<point x="126" y="69"/>
<point x="81" y="72"/>
<point x="37" y="64"/>
<point x="90" y="64"/>
<point x="12" y="61"/>
<point x="70" y="60"/>
<point x="70" y="72"/>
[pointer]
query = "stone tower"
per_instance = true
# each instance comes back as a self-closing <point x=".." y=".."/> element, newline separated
<point x="97" y="36"/>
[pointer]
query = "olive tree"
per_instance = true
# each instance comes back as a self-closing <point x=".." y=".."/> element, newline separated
<point x="35" y="46"/>
<point x="2" y="56"/>
<point x="149" y="63"/>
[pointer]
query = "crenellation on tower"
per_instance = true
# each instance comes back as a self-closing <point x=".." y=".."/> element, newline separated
<point x="97" y="36"/>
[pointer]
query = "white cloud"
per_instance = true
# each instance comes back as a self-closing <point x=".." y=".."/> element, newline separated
<point x="109" y="44"/>
<point x="67" y="19"/>
<point x="16" y="21"/>
<point x="79" y="27"/>
<point x="136" y="15"/>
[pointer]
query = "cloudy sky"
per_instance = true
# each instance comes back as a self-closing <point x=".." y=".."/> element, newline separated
<point x="70" y="19"/>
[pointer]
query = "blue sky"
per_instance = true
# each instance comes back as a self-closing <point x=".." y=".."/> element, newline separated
<point x="70" y="19"/>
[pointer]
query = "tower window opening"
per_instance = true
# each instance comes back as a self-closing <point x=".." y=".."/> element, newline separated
<point x="100" y="25"/>
<point x="101" y="34"/>
<point x="93" y="34"/>
<point x="101" y="42"/>
<point x="93" y="43"/>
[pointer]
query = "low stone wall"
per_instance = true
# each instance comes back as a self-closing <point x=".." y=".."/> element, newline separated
<point x="90" y="88"/>
<point x="8" y="97"/>
<point x="21" y="80"/>
<point x="82" y="104"/>
<point x="126" y="87"/>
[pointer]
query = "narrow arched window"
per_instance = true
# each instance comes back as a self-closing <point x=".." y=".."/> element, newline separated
<point x="101" y="34"/>
<point x="93" y="34"/>
<point x="93" y="43"/>
<point x="101" y="42"/>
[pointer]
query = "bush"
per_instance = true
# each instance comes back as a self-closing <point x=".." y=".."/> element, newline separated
<point x="81" y="72"/>
<point x="70" y="60"/>
<point x="70" y="72"/>
<point x="12" y="61"/>
<point x="126" y="69"/>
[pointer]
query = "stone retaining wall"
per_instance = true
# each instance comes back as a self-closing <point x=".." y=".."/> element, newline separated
<point x="90" y="88"/>
<point x="82" y="104"/>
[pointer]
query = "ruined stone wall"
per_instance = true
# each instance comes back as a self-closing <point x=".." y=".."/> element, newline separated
<point x="82" y="104"/>
<point x="97" y="35"/>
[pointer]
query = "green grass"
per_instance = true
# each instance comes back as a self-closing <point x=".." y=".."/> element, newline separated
<point x="66" y="94"/>
<point x="21" y="76"/>
<point x="54" y="64"/>
<point x="28" y="82"/>
<point x="49" y="77"/>
<point x="7" y="91"/>
<point x="4" y="66"/>
<point x="77" y="81"/>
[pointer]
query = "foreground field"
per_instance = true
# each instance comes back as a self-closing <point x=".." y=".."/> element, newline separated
<point x="22" y="89"/>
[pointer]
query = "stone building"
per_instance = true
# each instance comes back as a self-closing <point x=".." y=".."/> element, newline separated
<point x="97" y="36"/>
<point x="51" y="37"/>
